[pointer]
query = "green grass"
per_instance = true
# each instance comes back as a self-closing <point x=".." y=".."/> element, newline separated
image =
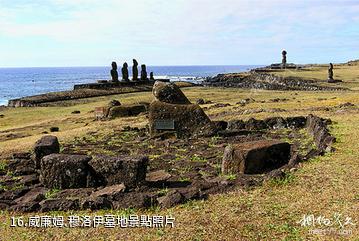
<point x="185" y="179"/>
<point x="163" y="192"/>
<point x="51" y="193"/>
<point x="231" y="177"/>
<point x="197" y="158"/>
<point x="288" y="178"/>
<point x="3" y="165"/>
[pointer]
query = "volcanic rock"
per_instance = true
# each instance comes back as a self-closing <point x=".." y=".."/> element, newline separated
<point x="110" y="191"/>
<point x="134" y="200"/>
<point x="45" y="146"/>
<point x="125" y="110"/>
<point x="169" y="93"/>
<point x="131" y="171"/>
<point x="187" y="119"/>
<point x="255" y="157"/>
<point x="170" y="199"/>
<point x="65" y="171"/>
<point x="59" y="205"/>
<point x="158" y="176"/>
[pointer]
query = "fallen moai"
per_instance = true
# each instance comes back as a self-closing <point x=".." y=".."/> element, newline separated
<point x="255" y="157"/>
<point x="115" y="110"/>
<point x="171" y="111"/>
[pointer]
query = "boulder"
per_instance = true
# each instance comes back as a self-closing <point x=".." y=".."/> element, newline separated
<point x="236" y="125"/>
<point x="30" y="201"/>
<point x="54" y="129"/>
<point x="289" y="122"/>
<point x="4" y="206"/>
<point x="158" y="176"/>
<point x="255" y="157"/>
<point x="21" y="167"/>
<point x="184" y="120"/>
<point x="126" y="110"/>
<point x="111" y="191"/>
<point x="200" y="101"/>
<point x="96" y="203"/>
<point x="25" y="207"/>
<point x="170" y="199"/>
<point x="131" y="171"/>
<point x="114" y="103"/>
<point x="253" y="124"/>
<point x="193" y="193"/>
<point x="59" y="205"/>
<point x="45" y="146"/>
<point x="220" y="125"/>
<point x="65" y="171"/>
<point x="11" y="195"/>
<point x="74" y="193"/>
<point x="169" y="93"/>
<point x="318" y="128"/>
<point x="134" y="200"/>
<point x="29" y="180"/>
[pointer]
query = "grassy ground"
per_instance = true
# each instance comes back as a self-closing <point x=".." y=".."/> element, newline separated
<point x="323" y="186"/>
<point x="348" y="73"/>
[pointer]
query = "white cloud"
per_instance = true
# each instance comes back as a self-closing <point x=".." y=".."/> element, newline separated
<point x="180" y="29"/>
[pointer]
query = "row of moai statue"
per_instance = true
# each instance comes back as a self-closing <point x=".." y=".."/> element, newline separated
<point x="125" y="75"/>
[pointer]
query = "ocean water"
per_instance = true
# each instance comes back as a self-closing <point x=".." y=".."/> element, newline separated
<point x="20" y="82"/>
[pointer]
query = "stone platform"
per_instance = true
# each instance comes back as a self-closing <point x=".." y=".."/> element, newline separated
<point x="103" y="84"/>
<point x="83" y="91"/>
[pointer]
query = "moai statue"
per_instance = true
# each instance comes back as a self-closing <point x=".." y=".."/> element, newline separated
<point x="135" y="70"/>
<point x="330" y="73"/>
<point x="284" y="59"/>
<point x="143" y="72"/>
<point x="151" y="76"/>
<point x="125" y="72"/>
<point x="114" y="73"/>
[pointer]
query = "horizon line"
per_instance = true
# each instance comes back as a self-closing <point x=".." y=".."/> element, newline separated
<point x="196" y="65"/>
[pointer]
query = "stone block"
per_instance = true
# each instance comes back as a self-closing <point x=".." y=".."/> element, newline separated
<point x="255" y="157"/>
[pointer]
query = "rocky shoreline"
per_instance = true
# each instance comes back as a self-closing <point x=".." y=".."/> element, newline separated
<point x="265" y="80"/>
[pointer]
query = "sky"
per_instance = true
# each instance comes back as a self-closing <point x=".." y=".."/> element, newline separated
<point x="35" y="33"/>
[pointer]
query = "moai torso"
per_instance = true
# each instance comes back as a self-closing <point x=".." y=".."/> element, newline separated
<point x="143" y="72"/>
<point x="284" y="59"/>
<point x="135" y="70"/>
<point x="330" y="71"/>
<point x="114" y="73"/>
<point x="125" y="72"/>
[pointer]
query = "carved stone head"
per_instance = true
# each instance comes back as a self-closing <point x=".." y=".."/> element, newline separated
<point x="114" y="65"/>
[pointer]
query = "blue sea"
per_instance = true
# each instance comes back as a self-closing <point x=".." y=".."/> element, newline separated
<point x="20" y="82"/>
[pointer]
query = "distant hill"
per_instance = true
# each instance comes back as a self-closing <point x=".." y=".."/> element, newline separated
<point x="353" y="62"/>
